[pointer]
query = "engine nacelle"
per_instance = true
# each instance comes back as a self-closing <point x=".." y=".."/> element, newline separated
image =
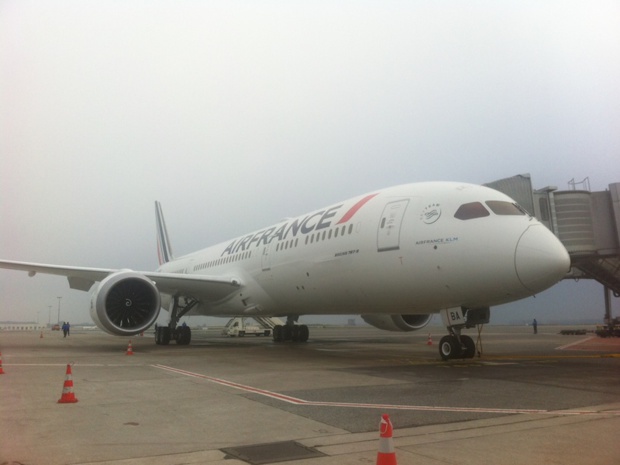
<point x="125" y="303"/>
<point x="397" y="322"/>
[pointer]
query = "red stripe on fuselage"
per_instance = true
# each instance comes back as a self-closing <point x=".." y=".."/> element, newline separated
<point x="353" y="210"/>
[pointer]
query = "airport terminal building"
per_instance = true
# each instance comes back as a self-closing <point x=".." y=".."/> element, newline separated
<point x="21" y="326"/>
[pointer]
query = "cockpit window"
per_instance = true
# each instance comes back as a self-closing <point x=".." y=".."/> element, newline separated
<point x="469" y="211"/>
<point x="505" y="208"/>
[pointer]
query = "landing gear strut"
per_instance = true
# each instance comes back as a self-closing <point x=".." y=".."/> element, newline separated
<point x="290" y="331"/>
<point x="455" y="344"/>
<point x="181" y="334"/>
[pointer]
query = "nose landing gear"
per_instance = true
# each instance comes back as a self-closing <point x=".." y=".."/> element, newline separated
<point x="455" y="344"/>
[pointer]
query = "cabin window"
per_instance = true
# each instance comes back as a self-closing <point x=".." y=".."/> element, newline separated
<point x="504" y="208"/>
<point x="469" y="211"/>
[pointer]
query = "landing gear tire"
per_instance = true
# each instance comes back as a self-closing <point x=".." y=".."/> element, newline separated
<point x="296" y="333"/>
<point x="183" y="335"/>
<point x="162" y="335"/>
<point x="304" y="333"/>
<point x="277" y="333"/>
<point x="469" y="350"/>
<point x="449" y="347"/>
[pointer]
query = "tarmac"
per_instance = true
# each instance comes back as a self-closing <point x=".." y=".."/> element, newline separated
<point x="528" y="399"/>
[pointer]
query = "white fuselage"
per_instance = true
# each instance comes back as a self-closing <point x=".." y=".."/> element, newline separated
<point x="399" y="250"/>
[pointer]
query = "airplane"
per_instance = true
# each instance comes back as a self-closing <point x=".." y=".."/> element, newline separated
<point x="395" y="256"/>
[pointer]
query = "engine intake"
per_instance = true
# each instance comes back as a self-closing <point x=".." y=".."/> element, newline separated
<point x="397" y="322"/>
<point x="125" y="303"/>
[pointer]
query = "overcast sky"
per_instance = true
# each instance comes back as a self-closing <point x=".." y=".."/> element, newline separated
<point x="236" y="114"/>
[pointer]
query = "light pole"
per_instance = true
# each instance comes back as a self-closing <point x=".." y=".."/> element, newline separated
<point x="59" y="309"/>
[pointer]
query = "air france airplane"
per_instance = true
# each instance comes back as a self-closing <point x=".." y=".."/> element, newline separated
<point x="394" y="256"/>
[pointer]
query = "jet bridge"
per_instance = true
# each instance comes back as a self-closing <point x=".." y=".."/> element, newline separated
<point x="587" y="223"/>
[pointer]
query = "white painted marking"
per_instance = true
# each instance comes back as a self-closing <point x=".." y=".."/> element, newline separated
<point x="581" y="341"/>
<point x="431" y="408"/>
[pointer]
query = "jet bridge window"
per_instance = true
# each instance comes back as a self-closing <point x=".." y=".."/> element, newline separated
<point x="469" y="211"/>
<point x="505" y="208"/>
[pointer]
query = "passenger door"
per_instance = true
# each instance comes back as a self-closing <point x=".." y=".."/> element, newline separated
<point x="388" y="234"/>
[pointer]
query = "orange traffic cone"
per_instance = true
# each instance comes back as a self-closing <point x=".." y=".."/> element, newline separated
<point x="386" y="454"/>
<point x="430" y="340"/>
<point x="1" y="370"/>
<point x="67" y="390"/>
<point x="129" y="349"/>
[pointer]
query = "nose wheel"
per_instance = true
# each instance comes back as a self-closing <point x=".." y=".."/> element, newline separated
<point x="449" y="347"/>
<point x="453" y="346"/>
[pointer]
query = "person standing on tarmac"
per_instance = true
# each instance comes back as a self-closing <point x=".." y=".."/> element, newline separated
<point x="64" y="329"/>
<point x="535" y="326"/>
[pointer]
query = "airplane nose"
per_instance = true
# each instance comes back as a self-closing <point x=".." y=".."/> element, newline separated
<point x="540" y="259"/>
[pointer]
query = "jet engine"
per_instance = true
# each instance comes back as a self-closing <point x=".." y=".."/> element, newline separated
<point x="125" y="303"/>
<point x="397" y="322"/>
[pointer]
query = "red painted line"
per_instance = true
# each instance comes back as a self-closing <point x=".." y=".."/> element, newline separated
<point x="353" y="210"/>
<point x="426" y="408"/>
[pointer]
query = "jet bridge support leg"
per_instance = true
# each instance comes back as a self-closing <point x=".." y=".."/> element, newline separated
<point x="455" y="344"/>
<point x="181" y="334"/>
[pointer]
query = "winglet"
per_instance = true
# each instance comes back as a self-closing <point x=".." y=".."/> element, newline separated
<point x="164" y="250"/>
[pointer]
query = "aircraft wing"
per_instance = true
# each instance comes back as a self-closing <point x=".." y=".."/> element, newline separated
<point x="201" y="287"/>
<point x="204" y="288"/>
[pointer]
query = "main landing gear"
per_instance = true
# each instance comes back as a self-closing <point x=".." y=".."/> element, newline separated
<point x="291" y="331"/>
<point x="181" y="334"/>
<point x="455" y="344"/>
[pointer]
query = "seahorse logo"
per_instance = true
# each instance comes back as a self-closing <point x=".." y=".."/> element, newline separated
<point x="431" y="213"/>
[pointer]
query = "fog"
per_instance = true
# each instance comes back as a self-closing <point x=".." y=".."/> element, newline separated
<point x="237" y="114"/>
